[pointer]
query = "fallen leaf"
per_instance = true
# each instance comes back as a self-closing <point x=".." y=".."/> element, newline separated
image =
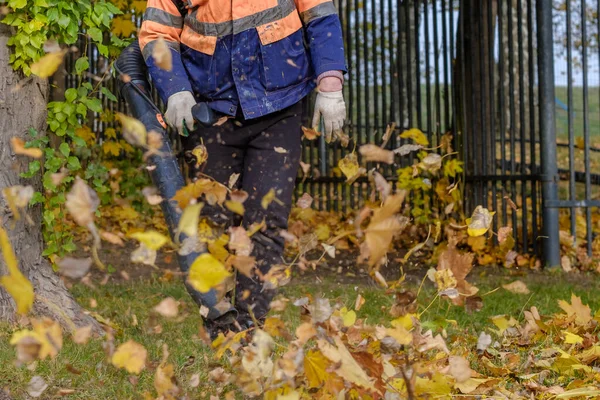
<point x="131" y="356"/>
<point x="330" y="250"/>
<point x="201" y="154"/>
<point x="82" y="335"/>
<point x="195" y="381"/>
<point x="460" y="369"/>
<point x="18" y="146"/>
<point x="305" y="201"/>
<point x="168" y="308"/>
<point x="36" y="386"/>
<point x="164" y="381"/>
<point x="484" y="341"/>
<point x="582" y="313"/>
<point x="517" y="287"/>
<point x="112" y="238"/>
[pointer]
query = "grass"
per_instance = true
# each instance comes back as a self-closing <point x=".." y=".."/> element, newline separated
<point x="85" y="369"/>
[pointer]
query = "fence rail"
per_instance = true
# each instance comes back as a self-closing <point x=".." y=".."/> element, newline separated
<point x="486" y="71"/>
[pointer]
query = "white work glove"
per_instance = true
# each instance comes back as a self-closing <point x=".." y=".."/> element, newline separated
<point x="332" y="107"/>
<point x="179" y="109"/>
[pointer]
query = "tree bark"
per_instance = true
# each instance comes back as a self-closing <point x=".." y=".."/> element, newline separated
<point x="23" y="106"/>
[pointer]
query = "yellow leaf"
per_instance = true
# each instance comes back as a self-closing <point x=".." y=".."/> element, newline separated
<point x="436" y="387"/>
<point x="111" y="148"/>
<point x="164" y="381"/>
<point x="349" y="166"/>
<point x="206" y="273"/>
<point x="15" y="283"/>
<point x="45" y="340"/>
<point x="348" y="316"/>
<point x="133" y="130"/>
<point x="268" y="199"/>
<point x="215" y="193"/>
<point x="480" y="221"/>
<point x="315" y="368"/>
<point x="131" y="356"/>
<point x="400" y="335"/>
<point x="582" y="312"/>
<point x="348" y="368"/>
<point x="123" y="25"/>
<point x="571" y="338"/>
<point x="201" y="154"/>
<point x="190" y="219"/>
<point x="162" y="55"/>
<point x="501" y="322"/>
<point x="89" y="136"/>
<point x="151" y="239"/>
<point x="46" y="66"/>
<point x="310" y="134"/>
<point x="18" y="146"/>
<point x="415" y="135"/>
<point x="235" y="206"/>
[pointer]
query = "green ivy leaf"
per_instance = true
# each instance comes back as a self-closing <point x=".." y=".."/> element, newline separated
<point x="95" y="34"/>
<point x="70" y="95"/>
<point x="65" y="149"/>
<point x="81" y="65"/>
<point x="37" y="198"/>
<point x="73" y="163"/>
<point x="108" y="94"/>
<point x="17" y="4"/>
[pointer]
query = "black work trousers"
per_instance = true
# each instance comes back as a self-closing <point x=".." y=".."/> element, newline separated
<point x="266" y="153"/>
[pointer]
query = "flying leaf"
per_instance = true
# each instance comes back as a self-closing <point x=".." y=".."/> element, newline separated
<point x="460" y="369"/>
<point x="206" y="273"/>
<point x="82" y="334"/>
<point x="280" y="150"/>
<point x="371" y="152"/>
<point x="330" y="250"/>
<point x="168" y="308"/>
<point x="201" y="154"/>
<point x="151" y="239"/>
<point x="15" y="283"/>
<point x="134" y="131"/>
<point x="18" y="198"/>
<point x="36" y="386"/>
<point x="480" y="221"/>
<point x="239" y="241"/>
<point x="74" y="268"/>
<point x="46" y="66"/>
<point x="416" y="136"/>
<point x="131" y="356"/>
<point x="244" y="264"/>
<point x="18" y="146"/>
<point x="235" y="207"/>
<point x="432" y="162"/>
<point x="383" y="226"/>
<point x="310" y="134"/>
<point x="214" y="192"/>
<point x="268" y="199"/>
<point x="348" y="317"/>
<point x="407" y="149"/>
<point x="143" y="255"/>
<point x="45" y="340"/>
<point x="188" y="223"/>
<point x="82" y="203"/>
<point x="161" y="53"/>
<point x="349" y="166"/>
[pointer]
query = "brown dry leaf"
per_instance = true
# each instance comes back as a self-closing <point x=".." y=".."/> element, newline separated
<point x="18" y="146"/>
<point x="517" y="287"/>
<point x="112" y="238"/>
<point x="239" y="196"/>
<point x="383" y="226"/>
<point x="310" y="134"/>
<point x="565" y="263"/>
<point x="460" y="264"/>
<point x="131" y="356"/>
<point x="168" y="308"/>
<point x="161" y="53"/>
<point x="45" y="340"/>
<point x="371" y="152"/>
<point x="74" y="268"/>
<point x="360" y="301"/>
<point x="36" y="386"/>
<point x="432" y="162"/>
<point x="152" y="197"/>
<point x="320" y="310"/>
<point x="164" y="381"/>
<point x="18" y="198"/>
<point x="305" y="168"/>
<point x="460" y="369"/>
<point x="239" y="241"/>
<point x="82" y="202"/>
<point x="133" y="130"/>
<point x="480" y="221"/>
<point x="382" y="185"/>
<point x="195" y="381"/>
<point x="305" y="201"/>
<point x="82" y="335"/>
<point x="504" y="233"/>
<point x="347" y="367"/>
<point x="407" y="149"/>
<point x="214" y="192"/>
<point x="143" y="255"/>
<point x="244" y="264"/>
<point x="58" y="177"/>
<point x="305" y="332"/>
<point x="222" y="120"/>
<point x="233" y="178"/>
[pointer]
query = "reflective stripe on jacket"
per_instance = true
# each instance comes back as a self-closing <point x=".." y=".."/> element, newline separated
<point x="261" y="54"/>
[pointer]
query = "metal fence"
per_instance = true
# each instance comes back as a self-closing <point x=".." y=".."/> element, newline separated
<point x="516" y="82"/>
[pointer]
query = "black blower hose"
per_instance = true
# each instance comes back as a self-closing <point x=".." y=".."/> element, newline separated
<point x="166" y="175"/>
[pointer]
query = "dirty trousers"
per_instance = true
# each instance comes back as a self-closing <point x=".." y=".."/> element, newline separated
<point x="266" y="153"/>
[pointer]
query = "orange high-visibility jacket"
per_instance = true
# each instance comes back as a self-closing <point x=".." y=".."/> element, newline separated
<point x="262" y="55"/>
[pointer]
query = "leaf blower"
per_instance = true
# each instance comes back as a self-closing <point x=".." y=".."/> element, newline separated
<point x="135" y="89"/>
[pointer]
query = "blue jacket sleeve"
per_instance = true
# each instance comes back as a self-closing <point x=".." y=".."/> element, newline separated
<point x="325" y="39"/>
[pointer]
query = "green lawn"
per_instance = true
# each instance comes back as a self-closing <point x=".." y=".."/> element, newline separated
<point x="84" y="368"/>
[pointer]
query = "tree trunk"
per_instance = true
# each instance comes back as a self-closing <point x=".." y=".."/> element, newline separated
<point x="22" y="106"/>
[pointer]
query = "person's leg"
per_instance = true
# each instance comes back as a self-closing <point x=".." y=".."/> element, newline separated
<point x="271" y="162"/>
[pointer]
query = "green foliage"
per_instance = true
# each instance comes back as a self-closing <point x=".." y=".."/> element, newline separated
<point x="70" y="148"/>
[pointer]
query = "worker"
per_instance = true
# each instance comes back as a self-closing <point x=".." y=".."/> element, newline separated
<point x="252" y="61"/>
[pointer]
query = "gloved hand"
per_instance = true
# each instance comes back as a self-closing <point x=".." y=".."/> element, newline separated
<point x="330" y="106"/>
<point x="179" y="109"/>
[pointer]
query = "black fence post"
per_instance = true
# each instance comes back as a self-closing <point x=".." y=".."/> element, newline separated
<point x="550" y="239"/>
